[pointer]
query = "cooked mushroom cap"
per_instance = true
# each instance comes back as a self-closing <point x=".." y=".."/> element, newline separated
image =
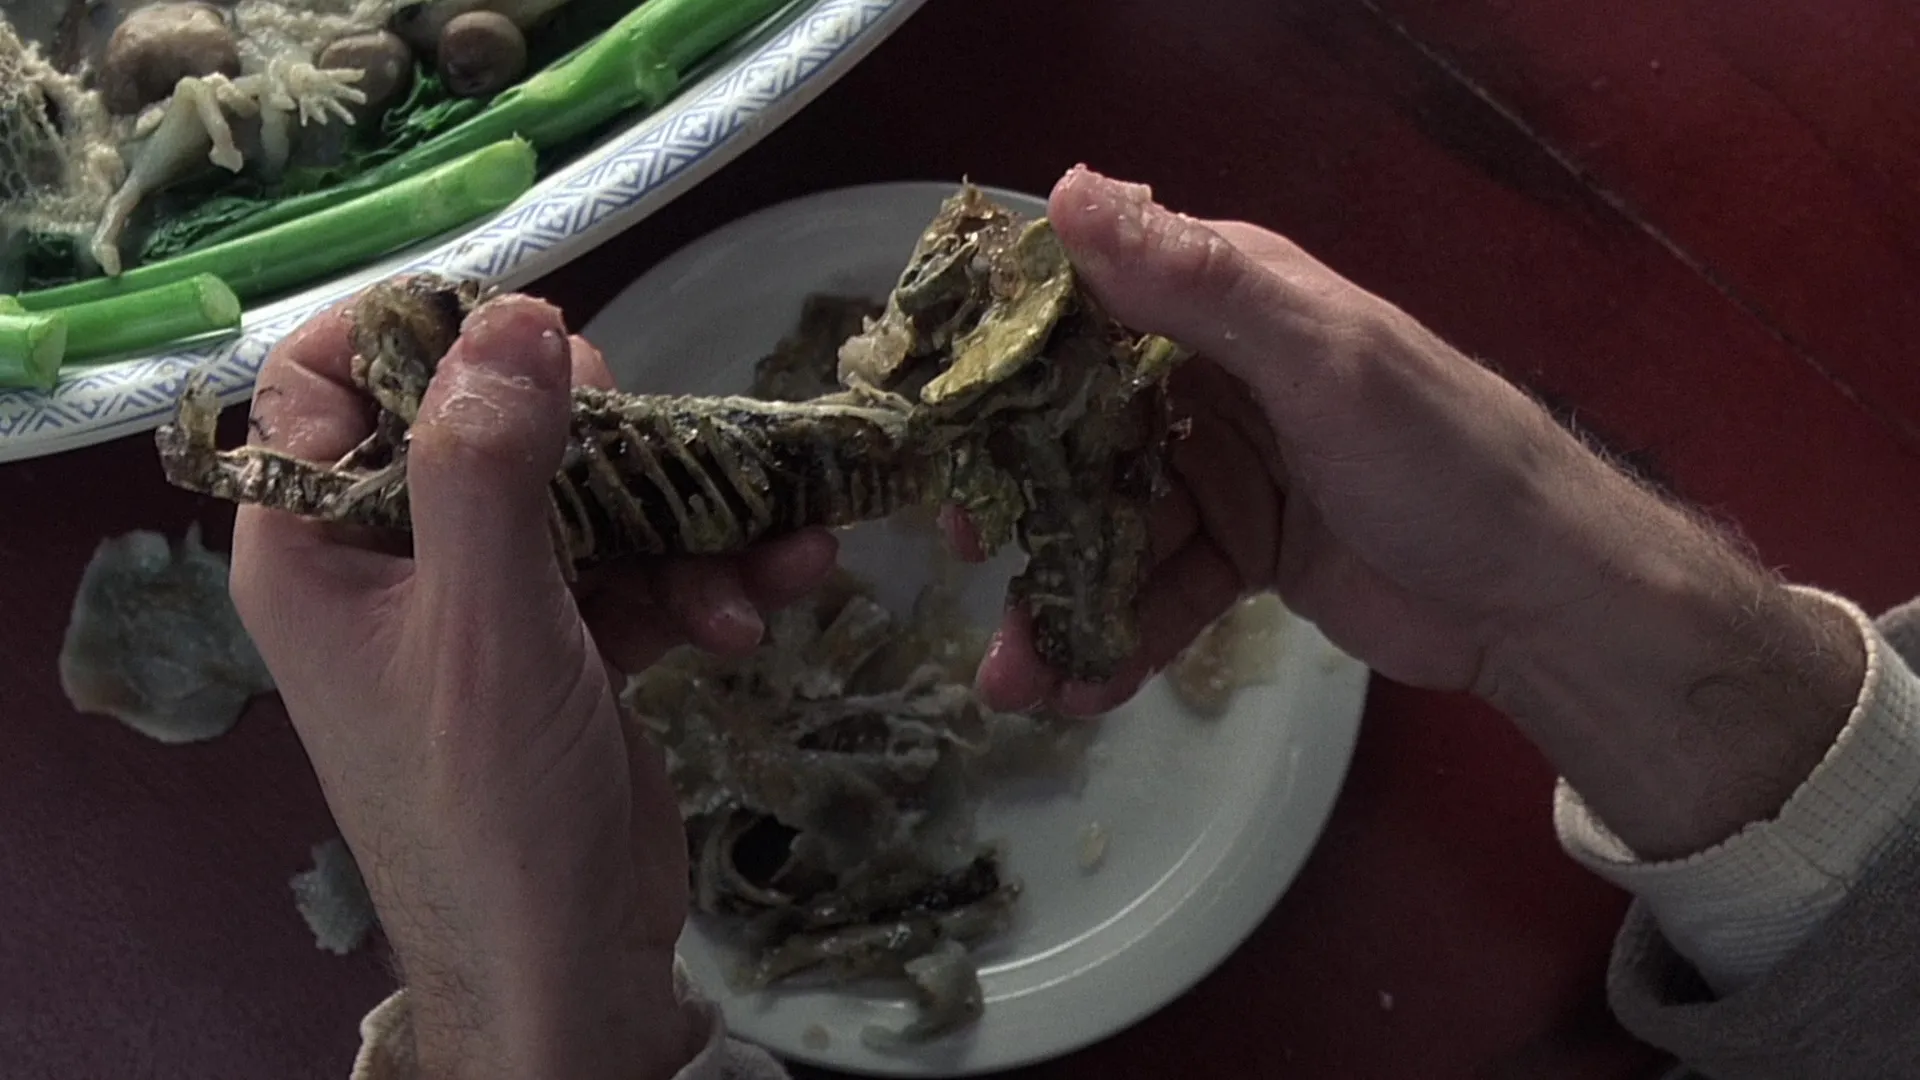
<point x="160" y="44"/>
<point x="481" y="53"/>
<point x="421" y="22"/>
<point x="386" y="64"/>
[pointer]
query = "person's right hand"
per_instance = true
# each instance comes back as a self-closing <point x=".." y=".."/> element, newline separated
<point x="1430" y="510"/>
<point x="1437" y="523"/>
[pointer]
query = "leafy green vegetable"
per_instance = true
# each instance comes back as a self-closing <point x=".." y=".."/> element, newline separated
<point x="228" y="210"/>
<point x="432" y="166"/>
<point x="296" y="252"/>
<point x="428" y="110"/>
<point x="638" y="62"/>
<point x="180" y="232"/>
<point x="49" y="259"/>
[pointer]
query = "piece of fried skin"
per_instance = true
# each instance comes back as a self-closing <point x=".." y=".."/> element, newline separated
<point x="154" y="641"/>
<point x="332" y="898"/>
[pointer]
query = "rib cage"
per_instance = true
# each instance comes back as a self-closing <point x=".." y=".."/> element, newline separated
<point x="675" y="475"/>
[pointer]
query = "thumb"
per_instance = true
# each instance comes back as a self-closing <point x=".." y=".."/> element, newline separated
<point x="1169" y="274"/>
<point x="489" y="438"/>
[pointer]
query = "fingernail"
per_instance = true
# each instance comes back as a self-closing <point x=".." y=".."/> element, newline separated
<point x="1131" y="204"/>
<point x="1081" y="698"/>
<point x="733" y="616"/>
<point x="519" y="337"/>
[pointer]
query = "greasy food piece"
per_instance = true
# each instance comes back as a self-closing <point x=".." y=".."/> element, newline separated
<point x="1093" y="846"/>
<point x="332" y="898"/>
<point x="154" y="640"/>
<point x="991" y="382"/>
<point x="865" y="950"/>
<point x="946" y="986"/>
<point x="804" y="364"/>
<point x="1241" y="648"/>
<point x="828" y="783"/>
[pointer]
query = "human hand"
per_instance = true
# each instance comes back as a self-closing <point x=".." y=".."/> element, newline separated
<point x="1424" y="502"/>
<point x="523" y="849"/>
<point x="1438" y="524"/>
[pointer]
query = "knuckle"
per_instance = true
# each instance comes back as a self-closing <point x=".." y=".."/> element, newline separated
<point x="1203" y="259"/>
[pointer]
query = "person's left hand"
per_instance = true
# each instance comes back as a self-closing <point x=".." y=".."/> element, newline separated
<point x="523" y="849"/>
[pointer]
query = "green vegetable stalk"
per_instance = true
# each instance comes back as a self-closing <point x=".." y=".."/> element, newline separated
<point x="294" y="253"/>
<point x="34" y="344"/>
<point x="638" y="62"/>
<point x="31" y="345"/>
<point x="202" y="304"/>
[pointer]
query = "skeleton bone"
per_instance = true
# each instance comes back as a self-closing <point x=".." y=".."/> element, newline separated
<point x="991" y="382"/>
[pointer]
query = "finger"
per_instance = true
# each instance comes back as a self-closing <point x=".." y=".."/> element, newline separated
<point x="963" y="539"/>
<point x="589" y="367"/>
<point x="304" y="402"/>
<point x="1170" y="274"/>
<point x="1012" y="677"/>
<point x="659" y="846"/>
<point x="1188" y="592"/>
<point x="1211" y="393"/>
<point x="1171" y="522"/>
<point x="1233" y="497"/>
<point x="304" y="405"/>
<point x="484" y="450"/>
<point x="641" y="609"/>
<point x="706" y="599"/>
<point x="780" y="572"/>
<point x="632" y="640"/>
<point x="623" y="612"/>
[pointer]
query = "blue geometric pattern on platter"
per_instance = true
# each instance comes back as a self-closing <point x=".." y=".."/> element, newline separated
<point x="631" y="175"/>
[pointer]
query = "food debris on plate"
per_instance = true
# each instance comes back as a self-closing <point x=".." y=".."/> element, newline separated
<point x="332" y="898"/>
<point x="829" y="781"/>
<point x="1240" y="649"/>
<point x="153" y="640"/>
<point x="1093" y="846"/>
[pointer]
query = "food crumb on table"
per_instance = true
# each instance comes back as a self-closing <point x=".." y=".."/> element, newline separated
<point x="1093" y="846"/>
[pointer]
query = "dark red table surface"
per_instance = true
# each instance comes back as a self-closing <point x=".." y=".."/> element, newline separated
<point x="1692" y="224"/>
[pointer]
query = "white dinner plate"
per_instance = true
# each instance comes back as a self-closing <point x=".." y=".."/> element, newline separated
<point x="736" y="100"/>
<point x="1207" y="820"/>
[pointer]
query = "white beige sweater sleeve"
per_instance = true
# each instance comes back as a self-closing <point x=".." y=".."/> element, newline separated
<point x="1735" y="909"/>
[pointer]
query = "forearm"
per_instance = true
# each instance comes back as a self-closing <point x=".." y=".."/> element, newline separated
<point x="1692" y="694"/>
<point x="577" y="1019"/>
<point x="536" y="958"/>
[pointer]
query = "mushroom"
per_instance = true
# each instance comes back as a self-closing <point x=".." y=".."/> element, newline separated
<point x="481" y="53"/>
<point x="160" y="44"/>
<point x="421" y="22"/>
<point x="385" y="63"/>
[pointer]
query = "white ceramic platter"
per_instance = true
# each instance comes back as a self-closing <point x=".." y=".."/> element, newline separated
<point x="761" y="83"/>
<point x="1207" y="821"/>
